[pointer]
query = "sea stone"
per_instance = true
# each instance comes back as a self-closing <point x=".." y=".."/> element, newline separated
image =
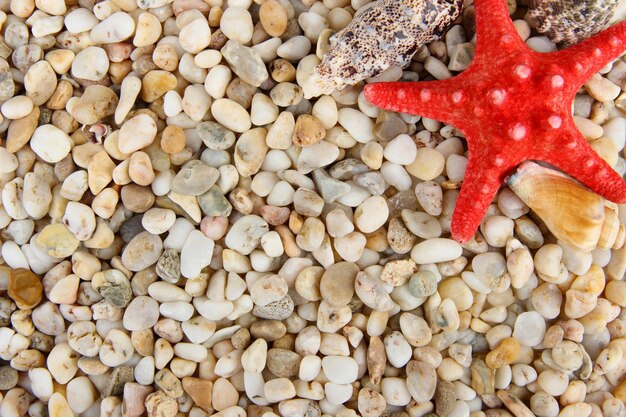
<point x="213" y="203"/>
<point x="398" y="272"/>
<point x="245" y="62"/>
<point x="7" y="86"/>
<point x="194" y="178"/>
<point x="215" y="136"/>
<point x="337" y="283"/>
<point x="25" y="288"/>
<point x="168" y="266"/>
<point x="245" y="235"/>
<point x="141" y="252"/>
<point x="282" y="362"/>
<point x="277" y="310"/>
<point x="57" y="241"/>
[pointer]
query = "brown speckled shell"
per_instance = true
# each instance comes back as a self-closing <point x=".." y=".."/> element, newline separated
<point x="388" y="33"/>
<point x="570" y="21"/>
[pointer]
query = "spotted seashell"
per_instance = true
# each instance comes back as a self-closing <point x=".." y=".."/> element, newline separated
<point x="386" y="33"/>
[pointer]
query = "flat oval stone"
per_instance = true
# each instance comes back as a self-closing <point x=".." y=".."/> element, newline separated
<point x="337" y="283"/>
<point x="142" y="251"/>
<point x="215" y="136"/>
<point x="194" y="178"/>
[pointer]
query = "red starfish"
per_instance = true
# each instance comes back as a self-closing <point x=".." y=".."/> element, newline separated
<point x="513" y="105"/>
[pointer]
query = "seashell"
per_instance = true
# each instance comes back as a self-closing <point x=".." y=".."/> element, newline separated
<point x="575" y="215"/>
<point x="383" y="34"/>
<point x="570" y="21"/>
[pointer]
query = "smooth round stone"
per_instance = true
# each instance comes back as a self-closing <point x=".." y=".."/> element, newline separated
<point x="194" y="178"/>
<point x="231" y="115"/>
<point x="17" y="107"/>
<point x="250" y="152"/>
<point x="115" y="28"/>
<point x="92" y="63"/>
<point x="423" y="284"/>
<point x="371" y="214"/>
<point x="62" y="363"/>
<point x="245" y="62"/>
<point x="273" y="17"/>
<point x="337" y="283"/>
<point x="436" y="250"/>
<point x="142" y="313"/>
<point x="40" y="82"/>
<point x="196" y="254"/>
<point x="357" y="124"/>
<point x="340" y="369"/>
<point x="427" y="165"/>
<point x="57" y="241"/>
<point x="283" y="363"/>
<point x="50" y="143"/>
<point x="195" y="36"/>
<point x="268" y="289"/>
<point x="8" y="161"/>
<point x="236" y="24"/>
<point x="401" y="150"/>
<point x="215" y="136"/>
<point x="245" y="235"/>
<point x="142" y="251"/>
<point x="155" y="84"/>
<point x="24" y="288"/>
<point x="158" y="220"/>
<point x="530" y="328"/>
<point x="294" y="48"/>
<point x="81" y="394"/>
<point x="137" y="133"/>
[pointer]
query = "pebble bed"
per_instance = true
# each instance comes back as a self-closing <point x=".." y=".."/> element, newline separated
<point x="189" y="228"/>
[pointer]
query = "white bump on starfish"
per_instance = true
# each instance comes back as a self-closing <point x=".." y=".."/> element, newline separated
<point x="507" y="39"/>
<point x="589" y="163"/>
<point x="579" y="67"/>
<point x="425" y="95"/>
<point x="458" y="96"/>
<point x="478" y="112"/>
<point x="555" y="121"/>
<point x="572" y="144"/>
<point x="523" y="71"/>
<point x="401" y="94"/>
<point x="614" y="41"/>
<point x="597" y="52"/>
<point x="497" y="96"/>
<point x="518" y="132"/>
<point x="498" y="161"/>
<point x="484" y="189"/>
<point x="557" y="82"/>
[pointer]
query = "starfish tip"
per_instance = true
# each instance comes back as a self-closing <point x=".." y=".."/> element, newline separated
<point x="371" y="91"/>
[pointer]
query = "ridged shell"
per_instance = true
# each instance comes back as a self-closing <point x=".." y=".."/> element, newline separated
<point x="574" y="215"/>
<point x="383" y="34"/>
<point x="570" y="21"/>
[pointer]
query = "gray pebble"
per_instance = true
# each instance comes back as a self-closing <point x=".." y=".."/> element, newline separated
<point x="213" y="203"/>
<point x="115" y="383"/>
<point x="131" y="228"/>
<point x="215" y="136"/>
<point x="278" y="310"/>
<point x="8" y="378"/>
<point x="194" y="178"/>
<point x="283" y="363"/>
<point x="168" y="266"/>
<point x="423" y="284"/>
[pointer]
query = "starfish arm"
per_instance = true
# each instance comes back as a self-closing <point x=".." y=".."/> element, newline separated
<point x="432" y="99"/>
<point x="494" y="27"/>
<point x="481" y="183"/>
<point x="585" y="165"/>
<point x="584" y="59"/>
